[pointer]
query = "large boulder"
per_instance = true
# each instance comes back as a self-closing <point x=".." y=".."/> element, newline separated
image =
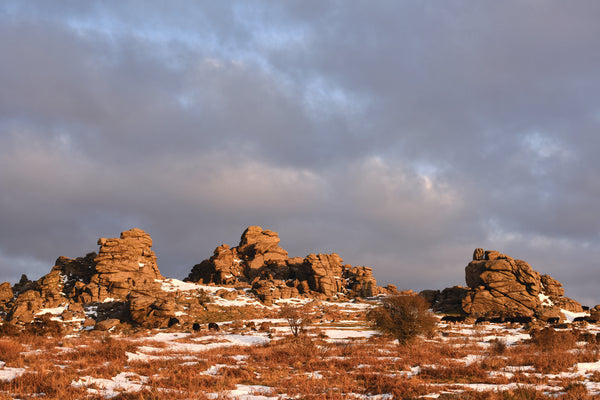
<point x="126" y="264"/>
<point x="499" y="285"/>
<point x="324" y="273"/>
<point x="6" y="293"/>
<point x="223" y="268"/>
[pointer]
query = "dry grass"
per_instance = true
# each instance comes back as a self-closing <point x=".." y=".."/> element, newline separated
<point x="10" y="352"/>
<point x="309" y="366"/>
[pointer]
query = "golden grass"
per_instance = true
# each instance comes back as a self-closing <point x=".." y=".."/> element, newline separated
<point x="306" y="367"/>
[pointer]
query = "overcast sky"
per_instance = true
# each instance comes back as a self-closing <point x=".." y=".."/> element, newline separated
<point x="401" y="135"/>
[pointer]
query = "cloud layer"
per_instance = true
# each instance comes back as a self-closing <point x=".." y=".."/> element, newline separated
<point x="401" y="135"/>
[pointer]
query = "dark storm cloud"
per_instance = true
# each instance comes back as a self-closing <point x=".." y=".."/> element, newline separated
<point x="400" y="135"/>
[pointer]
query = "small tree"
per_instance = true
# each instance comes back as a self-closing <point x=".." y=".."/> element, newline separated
<point x="298" y="318"/>
<point x="404" y="317"/>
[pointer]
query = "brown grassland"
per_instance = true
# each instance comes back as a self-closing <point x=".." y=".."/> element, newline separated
<point x="332" y="360"/>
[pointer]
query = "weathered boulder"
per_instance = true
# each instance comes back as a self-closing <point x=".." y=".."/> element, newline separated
<point x="126" y="264"/>
<point x="324" y="273"/>
<point x="26" y="306"/>
<point x="223" y="268"/>
<point x="123" y="266"/>
<point x="499" y="285"/>
<point x="595" y="313"/>
<point x="107" y="324"/>
<point x="361" y="283"/>
<point x="6" y="293"/>
<point x="258" y="260"/>
<point x="551" y="286"/>
<point x="259" y="247"/>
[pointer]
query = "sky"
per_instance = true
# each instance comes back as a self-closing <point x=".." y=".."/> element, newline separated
<point x="400" y="135"/>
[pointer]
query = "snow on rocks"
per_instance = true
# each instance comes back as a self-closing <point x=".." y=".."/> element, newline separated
<point x="570" y="316"/>
<point x="53" y="311"/>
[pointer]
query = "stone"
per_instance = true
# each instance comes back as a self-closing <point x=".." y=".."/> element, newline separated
<point x="124" y="267"/>
<point x="325" y="273"/>
<point x="449" y="300"/>
<point x="126" y="264"/>
<point x="107" y="324"/>
<point x="478" y="254"/>
<point x="6" y="293"/>
<point x="500" y="286"/>
<point x="551" y="286"/>
<point x="550" y="313"/>
<point x="595" y="314"/>
<point x="89" y="322"/>
<point x="258" y="260"/>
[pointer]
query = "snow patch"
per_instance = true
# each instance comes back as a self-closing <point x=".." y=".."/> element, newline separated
<point x="247" y="392"/>
<point x="545" y="300"/>
<point x="8" y="374"/>
<point x="109" y="388"/>
<point x="208" y="342"/>
<point x="588" y="367"/>
<point x="53" y="311"/>
<point x="570" y="316"/>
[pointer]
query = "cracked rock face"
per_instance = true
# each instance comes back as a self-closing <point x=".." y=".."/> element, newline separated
<point x="259" y="261"/>
<point x="126" y="264"/>
<point x="124" y="269"/>
<point x="499" y="285"/>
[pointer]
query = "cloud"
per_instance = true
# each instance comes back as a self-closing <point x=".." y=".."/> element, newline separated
<point x="400" y="135"/>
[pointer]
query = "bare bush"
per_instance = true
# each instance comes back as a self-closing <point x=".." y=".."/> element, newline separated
<point x="551" y="339"/>
<point x="404" y="317"/>
<point x="298" y="318"/>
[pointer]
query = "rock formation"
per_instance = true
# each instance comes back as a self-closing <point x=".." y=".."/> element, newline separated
<point x="259" y="262"/>
<point x="126" y="265"/>
<point x="500" y="286"/>
<point x="121" y="282"/>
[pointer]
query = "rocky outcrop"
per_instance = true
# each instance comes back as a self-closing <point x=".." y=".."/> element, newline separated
<point x="122" y="281"/>
<point x="126" y="265"/>
<point x="258" y="261"/>
<point x="258" y="249"/>
<point x="499" y="285"/>
<point x="122" y="285"/>
<point x="6" y="296"/>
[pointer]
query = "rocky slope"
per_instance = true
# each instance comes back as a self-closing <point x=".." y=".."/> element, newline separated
<point x="500" y="286"/>
<point x="260" y="263"/>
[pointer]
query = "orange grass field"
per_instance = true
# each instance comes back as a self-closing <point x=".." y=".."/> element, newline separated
<point x="339" y="357"/>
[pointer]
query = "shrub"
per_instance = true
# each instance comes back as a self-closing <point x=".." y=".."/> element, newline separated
<point x="10" y="351"/>
<point x="550" y="339"/>
<point x="9" y="329"/>
<point x="404" y="317"/>
<point x="45" y="327"/>
<point x="298" y="318"/>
